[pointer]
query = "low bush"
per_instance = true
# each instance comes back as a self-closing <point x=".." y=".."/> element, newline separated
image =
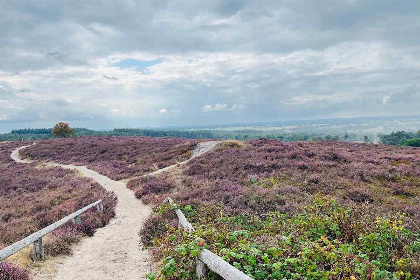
<point x="33" y="197"/>
<point x="254" y="205"/>
<point x="360" y="195"/>
<point x="148" y="186"/>
<point x="229" y="144"/>
<point x="12" y="272"/>
<point x="62" y="239"/>
<point x="325" y="241"/>
<point x="116" y="157"/>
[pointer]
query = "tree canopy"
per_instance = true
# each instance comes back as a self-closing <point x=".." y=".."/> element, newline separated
<point x="62" y="129"/>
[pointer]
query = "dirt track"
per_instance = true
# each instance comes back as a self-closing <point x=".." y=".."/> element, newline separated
<point x="115" y="251"/>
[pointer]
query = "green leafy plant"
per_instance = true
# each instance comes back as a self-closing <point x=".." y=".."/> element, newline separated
<point x="324" y="241"/>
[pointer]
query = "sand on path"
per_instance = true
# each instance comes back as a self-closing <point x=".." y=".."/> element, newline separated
<point x="115" y="251"/>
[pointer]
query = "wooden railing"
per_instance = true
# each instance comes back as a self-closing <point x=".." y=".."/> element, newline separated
<point x="36" y="238"/>
<point x="206" y="259"/>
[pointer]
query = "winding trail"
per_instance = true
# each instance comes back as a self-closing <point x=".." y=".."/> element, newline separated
<point x="115" y="251"/>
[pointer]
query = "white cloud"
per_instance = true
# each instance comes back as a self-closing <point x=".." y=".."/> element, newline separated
<point x="333" y="98"/>
<point x="285" y="59"/>
<point x="215" y="107"/>
<point x="164" y="110"/>
<point x="237" y="107"/>
<point x="222" y="107"/>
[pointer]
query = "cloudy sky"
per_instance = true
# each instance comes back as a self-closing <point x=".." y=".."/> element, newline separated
<point x="104" y="64"/>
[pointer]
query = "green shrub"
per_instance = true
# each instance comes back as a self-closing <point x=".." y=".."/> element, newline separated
<point x="412" y="142"/>
<point x="324" y="241"/>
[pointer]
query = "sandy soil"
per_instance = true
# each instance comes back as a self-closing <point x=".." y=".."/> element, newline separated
<point x="115" y="251"/>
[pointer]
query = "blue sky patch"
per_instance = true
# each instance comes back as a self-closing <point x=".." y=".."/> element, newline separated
<point x="134" y="63"/>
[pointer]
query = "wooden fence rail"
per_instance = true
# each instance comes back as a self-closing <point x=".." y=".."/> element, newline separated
<point x="36" y="238"/>
<point x="206" y="259"/>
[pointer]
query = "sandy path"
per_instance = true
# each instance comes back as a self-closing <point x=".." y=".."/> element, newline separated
<point x="115" y="251"/>
<point x="201" y="148"/>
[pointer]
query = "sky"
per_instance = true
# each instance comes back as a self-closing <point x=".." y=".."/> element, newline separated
<point x="105" y="64"/>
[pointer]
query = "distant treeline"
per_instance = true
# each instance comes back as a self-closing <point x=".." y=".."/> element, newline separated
<point x="46" y="133"/>
<point x="31" y="131"/>
<point x="395" y="138"/>
<point x="401" y="138"/>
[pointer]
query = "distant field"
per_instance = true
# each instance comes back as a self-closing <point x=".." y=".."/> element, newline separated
<point x="33" y="197"/>
<point x="317" y="210"/>
<point x="115" y="157"/>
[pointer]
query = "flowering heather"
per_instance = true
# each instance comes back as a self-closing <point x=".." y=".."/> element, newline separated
<point x="33" y="197"/>
<point x="267" y="175"/>
<point x="12" y="272"/>
<point x="386" y="176"/>
<point x="115" y="157"/>
<point x="144" y="186"/>
<point x="260" y="206"/>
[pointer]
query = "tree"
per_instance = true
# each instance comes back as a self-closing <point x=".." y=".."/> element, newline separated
<point x="62" y="129"/>
<point x="396" y="138"/>
<point x="415" y="142"/>
<point x="331" y="137"/>
<point x="346" y="137"/>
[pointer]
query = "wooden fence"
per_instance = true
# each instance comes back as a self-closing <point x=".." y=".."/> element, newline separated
<point x="206" y="259"/>
<point x="36" y="238"/>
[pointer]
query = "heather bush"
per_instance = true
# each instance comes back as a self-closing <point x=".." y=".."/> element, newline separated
<point x="261" y="206"/>
<point x="157" y="226"/>
<point x="12" y="272"/>
<point x="57" y="247"/>
<point x="386" y="176"/>
<point x="399" y="189"/>
<point x="61" y="240"/>
<point x="360" y="195"/>
<point x="153" y="185"/>
<point x="33" y="197"/>
<point x="116" y="157"/>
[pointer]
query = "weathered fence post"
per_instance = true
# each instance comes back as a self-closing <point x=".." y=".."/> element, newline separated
<point x="200" y="269"/>
<point x="100" y="207"/>
<point x="37" y="253"/>
<point x="77" y="220"/>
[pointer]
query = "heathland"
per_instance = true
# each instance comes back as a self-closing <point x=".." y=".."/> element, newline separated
<point x="275" y="210"/>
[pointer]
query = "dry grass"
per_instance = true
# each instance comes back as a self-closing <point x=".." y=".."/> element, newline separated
<point x="229" y="144"/>
<point x="22" y="258"/>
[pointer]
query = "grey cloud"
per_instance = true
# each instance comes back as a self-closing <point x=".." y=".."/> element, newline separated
<point x="60" y="103"/>
<point x="110" y="77"/>
<point x="258" y="25"/>
<point x="6" y="91"/>
<point x="56" y="55"/>
<point x="274" y="59"/>
<point x="409" y="95"/>
<point x="94" y="31"/>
